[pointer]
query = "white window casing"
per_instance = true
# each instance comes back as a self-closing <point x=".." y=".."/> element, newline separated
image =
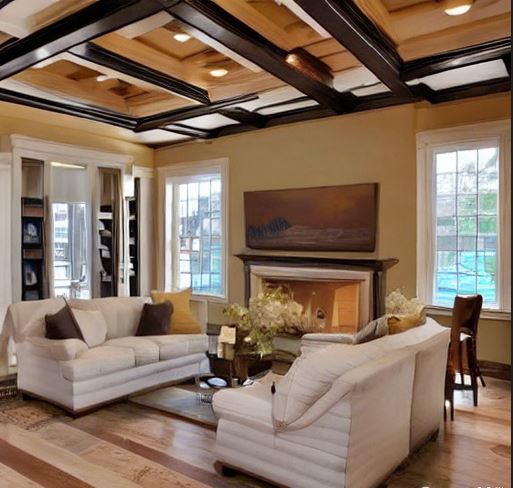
<point x="169" y="177"/>
<point x="428" y="144"/>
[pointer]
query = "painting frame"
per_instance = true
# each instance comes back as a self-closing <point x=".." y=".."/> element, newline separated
<point x="339" y="218"/>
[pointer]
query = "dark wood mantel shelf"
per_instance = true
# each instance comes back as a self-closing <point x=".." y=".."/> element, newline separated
<point x="321" y="262"/>
<point x="378" y="267"/>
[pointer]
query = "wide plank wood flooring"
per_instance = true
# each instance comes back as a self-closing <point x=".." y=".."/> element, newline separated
<point x="127" y="445"/>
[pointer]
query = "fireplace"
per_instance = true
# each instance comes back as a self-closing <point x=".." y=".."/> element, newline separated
<point x="339" y="295"/>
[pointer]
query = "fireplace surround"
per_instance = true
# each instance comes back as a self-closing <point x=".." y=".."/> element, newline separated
<point x="351" y="292"/>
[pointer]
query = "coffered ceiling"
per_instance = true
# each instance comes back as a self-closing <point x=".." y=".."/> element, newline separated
<point x="172" y="70"/>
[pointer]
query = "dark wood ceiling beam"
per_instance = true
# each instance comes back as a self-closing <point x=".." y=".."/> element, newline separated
<point x="244" y="116"/>
<point x="211" y="20"/>
<point x="78" y="110"/>
<point x="506" y="59"/>
<point x="167" y="118"/>
<point x="103" y="57"/>
<point x="4" y="3"/>
<point x="99" y="18"/>
<point x="353" y="30"/>
<point x="480" y="53"/>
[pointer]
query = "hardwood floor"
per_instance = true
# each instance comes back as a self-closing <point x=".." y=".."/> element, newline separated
<point x="130" y="445"/>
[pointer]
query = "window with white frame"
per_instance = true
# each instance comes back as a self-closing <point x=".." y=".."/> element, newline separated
<point x="463" y="229"/>
<point x="195" y="224"/>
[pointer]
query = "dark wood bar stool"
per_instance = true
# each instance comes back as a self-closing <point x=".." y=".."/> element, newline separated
<point x="465" y="319"/>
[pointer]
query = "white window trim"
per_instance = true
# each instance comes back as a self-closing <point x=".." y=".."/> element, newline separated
<point x="427" y="143"/>
<point x="168" y="244"/>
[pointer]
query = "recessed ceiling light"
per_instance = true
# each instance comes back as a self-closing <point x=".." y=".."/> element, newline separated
<point x="181" y="37"/>
<point x="103" y="78"/>
<point x="218" y="72"/>
<point x="457" y="7"/>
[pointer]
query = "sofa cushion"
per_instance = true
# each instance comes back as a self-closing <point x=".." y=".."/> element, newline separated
<point x="62" y="325"/>
<point x="122" y="314"/>
<point x="145" y="351"/>
<point x="92" y="325"/>
<point x="155" y="319"/>
<point x="98" y="361"/>
<point x="176" y="345"/>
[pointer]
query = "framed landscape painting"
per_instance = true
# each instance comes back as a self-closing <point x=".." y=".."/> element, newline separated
<point x="329" y="218"/>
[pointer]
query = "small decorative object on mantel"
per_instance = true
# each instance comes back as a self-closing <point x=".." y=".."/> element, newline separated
<point x="403" y="313"/>
<point x="272" y="312"/>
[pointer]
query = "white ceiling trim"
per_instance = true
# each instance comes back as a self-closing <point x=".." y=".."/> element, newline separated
<point x="475" y="73"/>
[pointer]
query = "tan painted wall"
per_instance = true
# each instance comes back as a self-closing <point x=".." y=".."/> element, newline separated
<point x="376" y="146"/>
<point x="16" y="119"/>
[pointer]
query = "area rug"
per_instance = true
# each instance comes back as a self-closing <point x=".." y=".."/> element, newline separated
<point x="181" y="401"/>
<point x="30" y="415"/>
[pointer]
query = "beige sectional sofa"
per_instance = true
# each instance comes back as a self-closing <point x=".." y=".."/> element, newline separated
<point x="72" y="375"/>
<point x="344" y="415"/>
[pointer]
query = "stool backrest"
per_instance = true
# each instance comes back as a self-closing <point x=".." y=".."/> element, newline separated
<point x="465" y="314"/>
<point x="465" y="318"/>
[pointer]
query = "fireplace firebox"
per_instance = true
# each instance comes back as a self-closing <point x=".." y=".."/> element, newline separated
<point x="338" y="294"/>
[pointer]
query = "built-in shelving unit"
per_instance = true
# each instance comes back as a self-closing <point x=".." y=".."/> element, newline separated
<point x="32" y="231"/>
<point x="106" y="250"/>
<point x="133" y="241"/>
<point x="32" y="248"/>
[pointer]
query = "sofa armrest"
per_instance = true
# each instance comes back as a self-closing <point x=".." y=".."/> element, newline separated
<point x="58" y="350"/>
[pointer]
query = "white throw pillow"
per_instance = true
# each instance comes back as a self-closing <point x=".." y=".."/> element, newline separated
<point x="92" y="325"/>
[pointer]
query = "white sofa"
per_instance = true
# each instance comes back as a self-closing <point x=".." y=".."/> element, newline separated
<point x="344" y="416"/>
<point x="76" y="377"/>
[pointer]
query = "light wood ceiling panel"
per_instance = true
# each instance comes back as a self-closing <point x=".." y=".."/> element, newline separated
<point x="143" y="54"/>
<point x="70" y="89"/>
<point x="341" y="61"/>
<point x="456" y="37"/>
<point x="4" y="37"/>
<point x="392" y="5"/>
<point x="242" y="82"/>
<point x="378" y="13"/>
<point x="275" y="22"/>
<point x="156" y="49"/>
<point x="56" y="11"/>
<point x="162" y="40"/>
<point x="75" y="82"/>
<point x="429" y="17"/>
<point x="152" y="103"/>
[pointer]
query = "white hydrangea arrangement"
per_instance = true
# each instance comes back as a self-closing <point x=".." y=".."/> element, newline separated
<point x="272" y="312"/>
<point x="397" y="304"/>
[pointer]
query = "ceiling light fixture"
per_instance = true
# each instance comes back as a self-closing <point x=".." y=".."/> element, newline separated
<point x="181" y="37"/>
<point x="218" y="72"/>
<point x="457" y="7"/>
<point x="101" y="78"/>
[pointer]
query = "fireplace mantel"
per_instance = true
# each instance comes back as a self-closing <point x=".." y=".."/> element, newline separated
<point x="377" y="267"/>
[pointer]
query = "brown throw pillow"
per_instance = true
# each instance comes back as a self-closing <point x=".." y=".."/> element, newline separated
<point x="155" y="319"/>
<point x="62" y="325"/>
